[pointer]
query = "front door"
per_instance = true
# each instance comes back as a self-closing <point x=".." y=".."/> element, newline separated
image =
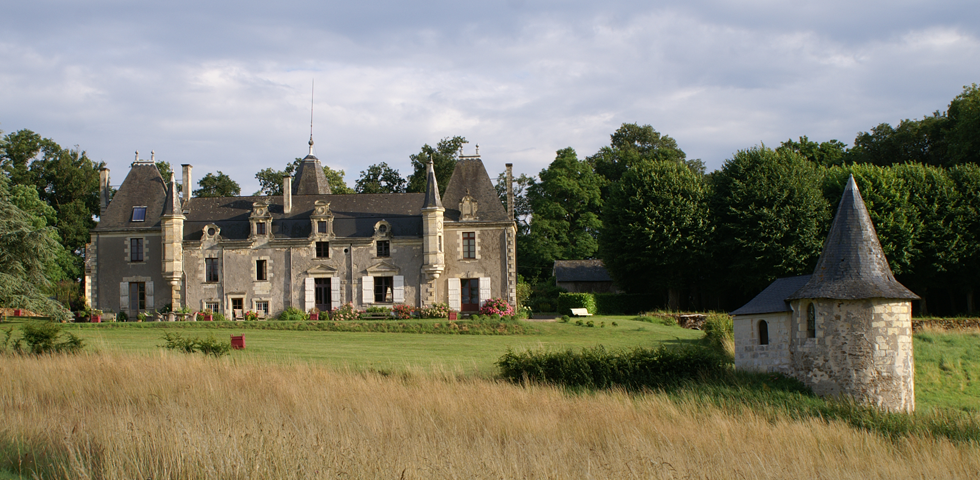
<point x="469" y="292"/>
<point x="321" y="294"/>
<point x="137" y="299"/>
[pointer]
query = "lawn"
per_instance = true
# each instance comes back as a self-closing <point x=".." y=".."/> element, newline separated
<point x="470" y="354"/>
<point x="947" y="370"/>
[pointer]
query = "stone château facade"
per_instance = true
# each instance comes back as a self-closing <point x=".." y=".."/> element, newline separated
<point x="306" y="248"/>
<point x="846" y="329"/>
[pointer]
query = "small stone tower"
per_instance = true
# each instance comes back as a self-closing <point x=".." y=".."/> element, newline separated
<point x="434" y="262"/>
<point x="172" y="223"/>
<point x="851" y="324"/>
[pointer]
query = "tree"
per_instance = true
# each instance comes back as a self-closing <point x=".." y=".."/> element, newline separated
<point x="26" y="253"/>
<point x="632" y="144"/>
<point x="270" y="180"/>
<point x="566" y="205"/>
<point x="771" y="218"/>
<point x="380" y="178"/>
<point x="826" y="154"/>
<point x="19" y="150"/>
<point x="165" y="170"/>
<point x="522" y="206"/>
<point x="963" y="127"/>
<point x="655" y="229"/>
<point x="219" y="185"/>
<point x="444" y="157"/>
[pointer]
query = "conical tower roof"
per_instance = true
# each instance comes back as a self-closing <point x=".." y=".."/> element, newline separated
<point x="171" y="205"/>
<point x="852" y="265"/>
<point x="309" y="177"/>
<point x="432" y="199"/>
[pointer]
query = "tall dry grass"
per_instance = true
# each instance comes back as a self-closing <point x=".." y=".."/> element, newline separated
<point x="169" y="416"/>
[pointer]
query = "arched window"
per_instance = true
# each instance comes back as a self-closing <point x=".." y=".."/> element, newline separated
<point x="811" y="322"/>
<point x="763" y="333"/>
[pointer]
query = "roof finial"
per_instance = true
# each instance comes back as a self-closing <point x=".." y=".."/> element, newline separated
<point x="153" y="155"/>
<point x="312" y="86"/>
<point x="478" y="149"/>
<point x="137" y="155"/>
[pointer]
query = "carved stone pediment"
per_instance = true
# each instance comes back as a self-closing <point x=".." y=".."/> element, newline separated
<point x="467" y="208"/>
<point x="382" y="269"/>
<point x="260" y="210"/>
<point x="321" y="271"/>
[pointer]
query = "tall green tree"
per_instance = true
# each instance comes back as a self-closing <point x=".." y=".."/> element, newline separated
<point x="827" y="154"/>
<point x="655" y="230"/>
<point x="522" y="205"/>
<point x="165" y="171"/>
<point x="28" y="247"/>
<point x="219" y="185"/>
<point x="771" y="218"/>
<point x="963" y="127"/>
<point x="380" y="178"/>
<point x="566" y="203"/>
<point x="632" y="144"/>
<point x="444" y="157"/>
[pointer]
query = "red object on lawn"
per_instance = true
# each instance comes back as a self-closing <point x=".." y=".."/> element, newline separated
<point x="314" y="316"/>
<point x="452" y="316"/>
<point x="96" y="318"/>
<point x="18" y="312"/>
<point x="238" y="342"/>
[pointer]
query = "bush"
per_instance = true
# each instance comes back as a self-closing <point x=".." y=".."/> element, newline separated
<point x="293" y="313"/>
<point x="438" y="310"/>
<point x="568" y="301"/>
<point x="544" y="307"/>
<point x="719" y="334"/>
<point x="122" y="317"/>
<point x="667" y="320"/>
<point x="41" y="338"/>
<point x="597" y="368"/>
<point x="403" y="312"/>
<point x="208" y="346"/>
<point x="624" y="303"/>
<point x="565" y="318"/>
<point x="496" y="306"/>
<point x="344" y="312"/>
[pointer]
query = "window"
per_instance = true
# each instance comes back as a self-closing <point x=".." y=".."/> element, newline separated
<point x="811" y="322"/>
<point x="211" y="306"/>
<point x="469" y="244"/>
<point x="210" y="270"/>
<point x="260" y="273"/>
<point x="321" y="227"/>
<point x="262" y="306"/>
<point x="139" y="214"/>
<point x="260" y="228"/>
<point x="135" y="249"/>
<point x="383" y="289"/>
<point x="322" y="249"/>
<point x="384" y="248"/>
<point x="763" y="333"/>
<point x="137" y="298"/>
<point x="440" y="243"/>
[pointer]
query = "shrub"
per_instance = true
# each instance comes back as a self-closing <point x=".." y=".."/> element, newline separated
<point x="42" y="338"/>
<point x="293" y="313"/>
<point x="122" y="317"/>
<point x="719" y="334"/>
<point x="568" y="301"/>
<point x="496" y="306"/>
<point x="565" y="318"/>
<point x="403" y="312"/>
<point x="667" y="320"/>
<point x="438" y="310"/>
<point x="344" y="312"/>
<point x="211" y="346"/>
<point x="544" y="307"/>
<point x="208" y="346"/>
<point x="624" y="303"/>
<point x="219" y="317"/>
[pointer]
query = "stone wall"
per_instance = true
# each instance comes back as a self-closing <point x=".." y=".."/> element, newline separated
<point x="750" y="354"/>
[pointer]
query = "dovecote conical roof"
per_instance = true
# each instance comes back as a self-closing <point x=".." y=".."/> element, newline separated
<point x="852" y="265"/>
<point x="309" y="177"/>
<point x="432" y="198"/>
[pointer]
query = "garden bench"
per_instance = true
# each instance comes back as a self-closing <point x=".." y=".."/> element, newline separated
<point x="581" y="312"/>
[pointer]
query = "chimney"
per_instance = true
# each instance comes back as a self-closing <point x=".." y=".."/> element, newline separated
<point x="510" y="190"/>
<point x="187" y="182"/>
<point x="287" y="193"/>
<point x="103" y="190"/>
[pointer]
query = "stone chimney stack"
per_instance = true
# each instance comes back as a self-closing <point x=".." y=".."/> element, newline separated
<point x="103" y="190"/>
<point x="187" y="182"/>
<point x="510" y="190"/>
<point x="287" y="193"/>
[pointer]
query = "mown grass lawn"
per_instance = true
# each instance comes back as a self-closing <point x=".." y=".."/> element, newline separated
<point x="947" y="370"/>
<point x="470" y="354"/>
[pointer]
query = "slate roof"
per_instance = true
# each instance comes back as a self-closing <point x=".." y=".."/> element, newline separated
<point x="852" y="265"/>
<point x="171" y="204"/>
<point x="354" y="215"/>
<point x="309" y="178"/>
<point x="471" y="176"/>
<point x="773" y="298"/>
<point x="431" y="188"/>
<point x="143" y="186"/>
<point x="581" y="271"/>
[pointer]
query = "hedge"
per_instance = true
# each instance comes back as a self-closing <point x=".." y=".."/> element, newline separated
<point x="568" y="301"/>
<point x="625" y="303"/>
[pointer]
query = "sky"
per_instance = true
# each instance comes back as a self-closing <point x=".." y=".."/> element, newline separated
<point x="227" y="86"/>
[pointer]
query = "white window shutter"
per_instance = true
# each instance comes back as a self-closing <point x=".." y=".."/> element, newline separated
<point x="453" y="287"/>
<point x="398" y="295"/>
<point x="124" y="297"/>
<point x="367" y="290"/>
<point x="309" y="299"/>
<point x="334" y="292"/>
<point x="484" y="290"/>
<point x="150" y="303"/>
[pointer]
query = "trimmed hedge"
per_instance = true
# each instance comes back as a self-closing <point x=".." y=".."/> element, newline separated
<point x="597" y="368"/>
<point x="625" y="303"/>
<point x="568" y="301"/>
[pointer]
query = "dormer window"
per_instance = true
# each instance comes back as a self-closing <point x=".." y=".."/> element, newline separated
<point x="139" y="214"/>
<point x="260" y="228"/>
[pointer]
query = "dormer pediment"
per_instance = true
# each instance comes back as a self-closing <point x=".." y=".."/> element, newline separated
<point x="321" y="270"/>
<point x="383" y="268"/>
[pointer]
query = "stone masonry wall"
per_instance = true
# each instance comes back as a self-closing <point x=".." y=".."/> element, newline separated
<point x="750" y="354"/>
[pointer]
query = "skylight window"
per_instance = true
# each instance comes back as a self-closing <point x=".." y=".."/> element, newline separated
<point x="139" y="214"/>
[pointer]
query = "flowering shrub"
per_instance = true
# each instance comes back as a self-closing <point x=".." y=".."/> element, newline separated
<point x="250" y="315"/>
<point x="438" y="310"/>
<point x="403" y="312"/>
<point x="344" y="312"/>
<point x="497" y="306"/>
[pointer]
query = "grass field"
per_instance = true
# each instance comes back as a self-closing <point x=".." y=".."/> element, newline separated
<point x="947" y="369"/>
<point x="469" y="354"/>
